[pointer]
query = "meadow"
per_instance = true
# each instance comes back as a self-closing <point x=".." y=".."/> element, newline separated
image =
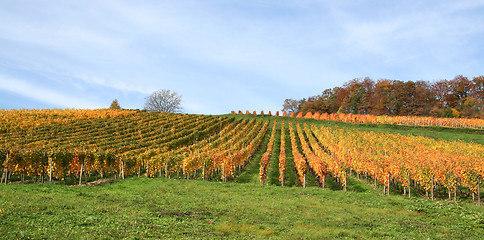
<point x="143" y="208"/>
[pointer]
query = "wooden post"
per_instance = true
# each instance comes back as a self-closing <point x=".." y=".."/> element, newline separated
<point x="148" y="168"/>
<point x="6" y="168"/>
<point x="409" y="184"/>
<point x="262" y="177"/>
<point x="479" y="192"/>
<point x="432" y="188"/>
<point x="122" y="170"/>
<point x="50" y="169"/>
<point x="223" y="172"/>
<point x="80" y="174"/>
<point x="455" y="192"/>
<point x="304" y="181"/>
<point x="388" y="187"/>
<point x="324" y="181"/>
<point x="282" y="178"/>
<point x="5" y="171"/>
<point x="203" y="171"/>
<point x="166" y="169"/>
<point x="346" y="182"/>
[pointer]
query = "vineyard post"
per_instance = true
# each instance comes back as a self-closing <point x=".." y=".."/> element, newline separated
<point x="304" y="180"/>
<point x="148" y="168"/>
<point x="432" y="188"/>
<point x="166" y="169"/>
<point x="50" y="169"/>
<point x="455" y="193"/>
<point x="203" y="171"/>
<point x="409" y="184"/>
<point x="346" y="181"/>
<point x="122" y="169"/>
<point x="455" y="189"/>
<point x="80" y="174"/>
<point x="282" y="178"/>
<point x="388" y="187"/>
<point x="323" y="185"/>
<point x="223" y="172"/>
<point x="5" y="170"/>
<point x="262" y="177"/>
<point x="479" y="191"/>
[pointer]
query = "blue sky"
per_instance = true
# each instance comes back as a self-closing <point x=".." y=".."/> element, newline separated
<point x="226" y="55"/>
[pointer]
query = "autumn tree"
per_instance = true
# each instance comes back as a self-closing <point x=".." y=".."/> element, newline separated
<point x="164" y="101"/>
<point x="459" y="97"/>
<point x="477" y="90"/>
<point x="291" y="105"/>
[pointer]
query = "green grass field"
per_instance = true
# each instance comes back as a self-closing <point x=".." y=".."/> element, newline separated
<point x="142" y="208"/>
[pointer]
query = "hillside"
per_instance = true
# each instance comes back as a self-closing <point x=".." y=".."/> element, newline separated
<point x="156" y="154"/>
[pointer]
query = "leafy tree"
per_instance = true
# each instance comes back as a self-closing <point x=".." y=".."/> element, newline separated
<point x="115" y="104"/>
<point x="459" y="97"/>
<point x="164" y="101"/>
<point x="291" y="105"/>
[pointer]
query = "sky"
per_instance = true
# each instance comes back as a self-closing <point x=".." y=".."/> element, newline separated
<point x="224" y="55"/>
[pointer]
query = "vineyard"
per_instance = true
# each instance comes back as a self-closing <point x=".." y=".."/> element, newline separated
<point x="75" y="146"/>
<point x="383" y="119"/>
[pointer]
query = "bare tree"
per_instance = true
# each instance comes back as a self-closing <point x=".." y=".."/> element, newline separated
<point x="164" y="101"/>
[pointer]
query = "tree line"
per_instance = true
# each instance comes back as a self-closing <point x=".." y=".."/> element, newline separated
<point x="459" y="97"/>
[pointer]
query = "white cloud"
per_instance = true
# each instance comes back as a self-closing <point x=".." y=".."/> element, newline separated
<point x="33" y="91"/>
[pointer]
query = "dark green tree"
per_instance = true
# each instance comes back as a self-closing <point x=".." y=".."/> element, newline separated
<point x="115" y="104"/>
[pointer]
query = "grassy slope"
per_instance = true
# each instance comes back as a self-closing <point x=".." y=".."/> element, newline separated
<point x="160" y="208"/>
<point x="170" y="208"/>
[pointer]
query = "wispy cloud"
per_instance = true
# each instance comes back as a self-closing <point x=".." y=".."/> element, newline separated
<point x="32" y="91"/>
<point x="223" y="55"/>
